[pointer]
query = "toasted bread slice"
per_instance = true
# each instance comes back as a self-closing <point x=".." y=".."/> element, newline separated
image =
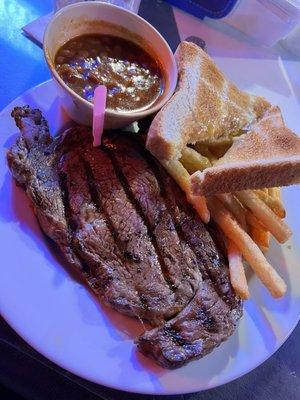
<point x="267" y="156"/>
<point x="206" y="107"/>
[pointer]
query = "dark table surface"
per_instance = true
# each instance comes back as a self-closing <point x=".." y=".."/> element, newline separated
<point x="26" y="372"/>
<point x="22" y="369"/>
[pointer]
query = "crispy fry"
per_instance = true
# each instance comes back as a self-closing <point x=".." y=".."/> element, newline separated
<point x="178" y="173"/>
<point x="221" y="141"/>
<point x="273" y="202"/>
<point x="237" y="272"/>
<point x="252" y="220"/>
<point x="271" y="192"/>
<point x="261" y="237"/>
<point x="204" y="150"/>
<point x="235" y="207"/>
<point x="247" y="247"/>
<point x="276" y="193"/>
<point x="199" y="203"/>
<point x="268" y="218"/>
<point x="182" y="177"/>
<point x="261" y="193"/>
<point x="219" y="150"/>
<point x="193" y="161"/>
<point x="258" y="232"/>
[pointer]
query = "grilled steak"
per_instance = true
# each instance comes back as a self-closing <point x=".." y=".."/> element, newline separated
<point x="123" y="222"/>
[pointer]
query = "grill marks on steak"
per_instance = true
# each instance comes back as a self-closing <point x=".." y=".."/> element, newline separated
<point x="32" y="160"/>
<point x="211" y="261"/>
<point x="94" y="241"/>
<point x="132" y="236"/>
<point x="178" y="262"/>
<point x="106" y="233"/>
<point x="120" y="219"/>
<point x="200" y="327"/>
<point x="212" y="314"/>
<point x="100" y="231"/>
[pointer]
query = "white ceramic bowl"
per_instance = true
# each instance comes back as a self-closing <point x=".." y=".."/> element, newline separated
<point x="95" y="17"/>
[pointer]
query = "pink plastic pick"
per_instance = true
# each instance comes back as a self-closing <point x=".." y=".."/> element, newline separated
<point x="98" y="113"/>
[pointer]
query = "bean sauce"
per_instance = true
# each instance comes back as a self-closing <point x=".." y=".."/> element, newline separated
<point x="133" y="78"/>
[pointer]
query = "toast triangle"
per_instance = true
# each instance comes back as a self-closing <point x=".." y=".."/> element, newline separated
<point x="206" y="107"/>
<point x="267" y="156"/>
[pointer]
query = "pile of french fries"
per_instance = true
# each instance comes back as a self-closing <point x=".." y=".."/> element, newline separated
<point x="247" y="218"/>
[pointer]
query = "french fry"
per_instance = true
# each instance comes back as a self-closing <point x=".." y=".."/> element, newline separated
<point x="235" y="207"/>
<point x="219" y="150"/>
<point x="199" y="203"/>
<point x="237" y="273"/>
<point x="178" y="173"/>
<point x="193" y="161"/>
<point x="268" y="218"/>
<point x="276" y="195"/>
<point x="273" y="202"/>
<point x="221" y="141"/>
<point x="252" y="220"/>
<point x="261" y="193"/>
<point x="275" y="192"/>
<point x="271" y="192"/>
<point x="204" y="150"/>
<point x="258" y="232"/>
<point x="247" y="247"/>
<point x="182" y="177"/>
<point x="261" y="237"/>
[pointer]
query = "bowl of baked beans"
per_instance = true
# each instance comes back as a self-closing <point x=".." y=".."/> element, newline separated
<point x="90" y="44"/>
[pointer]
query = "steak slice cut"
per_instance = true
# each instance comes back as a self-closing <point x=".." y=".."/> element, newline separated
<point x="94" y="241"/>
<point x="207" y="244"/>
<point x="32" y="160"/>
<point x="121" y="220"/>
<point x="82" y="205"/>
<point x="178" y="261"/>
<point x="132" y="237"/>
<point x="213" y="313"/>
<point x="199" y="328"/>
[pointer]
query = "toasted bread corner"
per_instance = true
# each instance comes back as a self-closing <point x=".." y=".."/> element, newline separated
<point x="267" y="156"/>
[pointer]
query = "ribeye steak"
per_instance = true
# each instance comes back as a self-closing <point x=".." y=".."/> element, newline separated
<point x="120" y="219"/>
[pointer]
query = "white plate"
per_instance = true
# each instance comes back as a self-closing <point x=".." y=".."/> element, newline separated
<point x="61" y="320"/>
